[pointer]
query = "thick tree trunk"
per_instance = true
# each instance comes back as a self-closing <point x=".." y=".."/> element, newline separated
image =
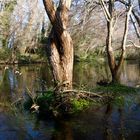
<point x="60" y="51"/>
<point x="60" y="45"/>
<point x="61" y="61"/>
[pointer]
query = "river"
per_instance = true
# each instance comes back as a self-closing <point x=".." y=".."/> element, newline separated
<point x="110" y="122"/>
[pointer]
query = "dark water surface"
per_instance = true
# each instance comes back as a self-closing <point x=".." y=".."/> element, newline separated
<point x="110" y="122"/>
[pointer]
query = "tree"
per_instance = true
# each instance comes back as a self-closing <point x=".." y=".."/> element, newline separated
<point x="110" y="17"/>
<point x="6" y="10"/>
<point x="59" y="47"/>
<point x="135" y="18"/>
<point x="26" y="25"/>
<point x="87" y="20"/>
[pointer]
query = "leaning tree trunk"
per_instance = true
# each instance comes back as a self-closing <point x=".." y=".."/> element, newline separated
<point x="60" y="46"/>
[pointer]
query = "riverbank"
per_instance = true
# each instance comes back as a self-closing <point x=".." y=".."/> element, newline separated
<point x="6" y="58"/>
<point x="24" y="59"/>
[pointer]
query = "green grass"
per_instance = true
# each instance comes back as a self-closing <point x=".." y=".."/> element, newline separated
<point x="116" y="89"/>
<point x="118" y="95"/>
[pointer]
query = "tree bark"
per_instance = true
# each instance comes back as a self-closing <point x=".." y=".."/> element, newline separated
<point x="110" y="52"/>
<point x="60" y="46"/>
<point x="114" y="67"/>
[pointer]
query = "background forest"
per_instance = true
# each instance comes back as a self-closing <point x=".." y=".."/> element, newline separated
<point x="24" y="29"/>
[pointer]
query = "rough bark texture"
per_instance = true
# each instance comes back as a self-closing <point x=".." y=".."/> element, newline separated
<point x="60" y="46"/>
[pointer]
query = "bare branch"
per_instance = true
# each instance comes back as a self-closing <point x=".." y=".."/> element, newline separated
<point x="67" y="3"/>
<point x="126" y="27"/>
<point x="135" y="27"/>
<point x="105" y="10"/>
<point x="134" y="45"/>
<point x="50" y="9"/>
<point x="133" y="12"/>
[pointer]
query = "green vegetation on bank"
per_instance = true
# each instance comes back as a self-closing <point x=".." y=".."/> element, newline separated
<point x="7" y="55"/>
<point x="113" y="93"/>
<point x="46" y="104"/>
<point x="118" y="94"/>
<point x="116" y="89"/>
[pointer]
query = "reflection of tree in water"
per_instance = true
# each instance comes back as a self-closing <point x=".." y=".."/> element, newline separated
<point x="63" y="131"/>
<point x="130" y="74"/>
<point x="13" y="85"/>
<point x="45" y="78"/>
<point x="89" y="73"/>
<point x="7" y="85"/>
<point x="36" y="78"/>
<point x="114" y="131"/>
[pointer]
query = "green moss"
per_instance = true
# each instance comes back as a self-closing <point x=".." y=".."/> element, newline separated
<point x="47" y="103"/>
<point x="79" y="105"/>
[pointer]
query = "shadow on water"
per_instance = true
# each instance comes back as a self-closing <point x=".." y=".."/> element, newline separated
<point x="117" y="120"/>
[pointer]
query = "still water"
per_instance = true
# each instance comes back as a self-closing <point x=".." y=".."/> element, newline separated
<point x="108" y="122"/>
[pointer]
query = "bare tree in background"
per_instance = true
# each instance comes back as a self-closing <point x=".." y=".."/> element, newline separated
<point x="109" y="14"/>
<point x="26" y="25"/>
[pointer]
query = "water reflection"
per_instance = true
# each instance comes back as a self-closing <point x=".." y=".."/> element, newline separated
<point x="38" y="77"/>
<point x="63" y="131"/>
<point x="130" y="74"/>
<point x="87" y="75"/>
<point x="110" y="122"/>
